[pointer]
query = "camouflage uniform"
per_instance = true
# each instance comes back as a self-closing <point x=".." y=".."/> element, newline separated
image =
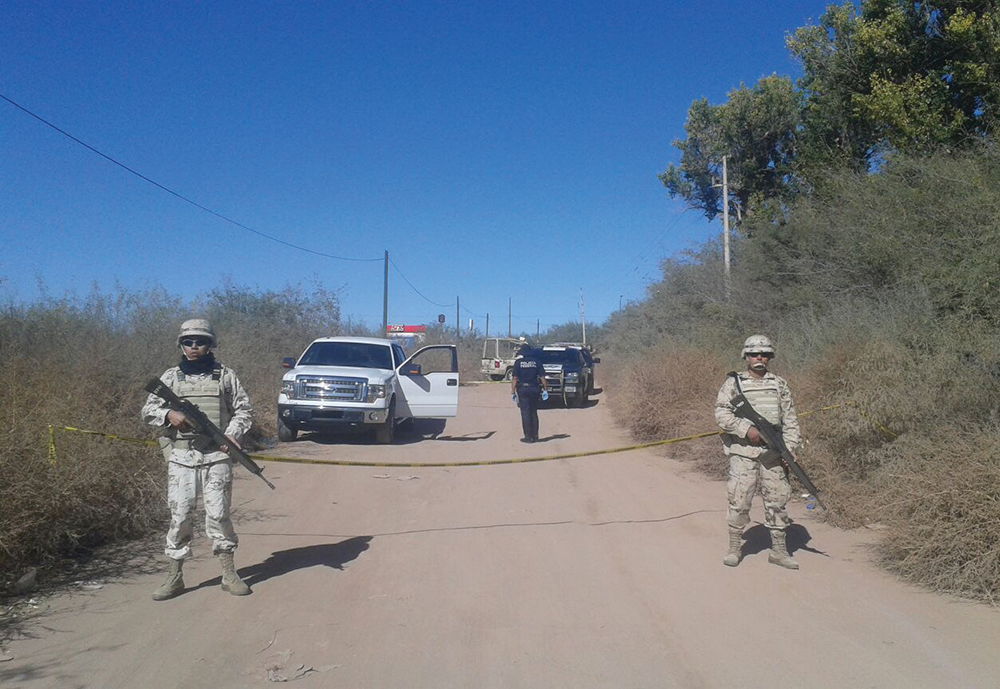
<point x="188" y="466"/>
<point x="772" y="399"/>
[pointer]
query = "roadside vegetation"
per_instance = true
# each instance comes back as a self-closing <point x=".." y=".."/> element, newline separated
<point x="866" y="206"/>
<point x="82" y="362"/>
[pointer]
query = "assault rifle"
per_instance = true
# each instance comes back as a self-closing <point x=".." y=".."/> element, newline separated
<point x="777" y="450"/>
<point x="201" y="424"/>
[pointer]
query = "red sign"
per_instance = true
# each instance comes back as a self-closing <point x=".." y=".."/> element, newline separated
<point x="406" y="329"/>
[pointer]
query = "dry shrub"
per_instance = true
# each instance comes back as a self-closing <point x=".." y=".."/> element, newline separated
<point x="669" y="392"/>
<point x="64" y="367"/>
<point x="941" y="504"/>
<point x="83" y="362"/>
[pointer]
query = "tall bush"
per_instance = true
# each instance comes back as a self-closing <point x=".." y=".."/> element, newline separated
<point x="82" y="361"/>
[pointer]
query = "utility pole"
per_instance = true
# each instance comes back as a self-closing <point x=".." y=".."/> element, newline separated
<point x="458" y="320"/>
<point x="538" y="329"/>
<point x="583" y="318"/>
<point x="508" y="316"/>
<point x="487" y="324"/>
<point x="725" y="221"/>
<point x="385" y="298"/>
<point x="620" y="302"/>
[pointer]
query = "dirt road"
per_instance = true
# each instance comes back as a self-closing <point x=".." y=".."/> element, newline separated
<point x="595" y="572"/>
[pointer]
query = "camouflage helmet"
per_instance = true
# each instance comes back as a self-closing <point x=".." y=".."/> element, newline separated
<point x="197" y="327"/>
<point x="757" y="343"/>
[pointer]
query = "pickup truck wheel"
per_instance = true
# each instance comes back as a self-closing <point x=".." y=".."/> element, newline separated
<point x="508" y="374"/>
<point x="496" y="376"/>
<point x="285" y="433"/>
<point x="386" y="433"/>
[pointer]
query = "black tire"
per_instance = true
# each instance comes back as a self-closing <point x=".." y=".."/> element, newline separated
<point x="496" y="376"/>
<point x="508" y="374"/>
<point x="286" y="434"/>
<point x="386" y="433"/>
<point x="584" y="397"/>
<point x="578" y="399"/>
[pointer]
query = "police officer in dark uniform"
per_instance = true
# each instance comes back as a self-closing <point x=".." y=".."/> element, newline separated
<point x="528" y="383"/>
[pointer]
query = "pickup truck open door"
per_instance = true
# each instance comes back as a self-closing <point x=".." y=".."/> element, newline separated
<point x="428" y="381"/>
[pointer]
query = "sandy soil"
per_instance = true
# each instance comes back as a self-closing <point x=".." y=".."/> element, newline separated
<point x="594" y="572"/>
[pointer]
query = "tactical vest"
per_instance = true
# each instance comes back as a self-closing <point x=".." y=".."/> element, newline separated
<point x="765" y="397"/>
<point x="209" y="395"/>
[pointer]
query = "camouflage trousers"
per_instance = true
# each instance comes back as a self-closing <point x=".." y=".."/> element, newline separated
<point x="746" y="476"/>
<point x="216" y="482"/>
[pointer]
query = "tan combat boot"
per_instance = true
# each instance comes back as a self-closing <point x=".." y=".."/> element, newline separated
<point x="230" y="579"/>
<point x="779" y="553"/>
<point x="735" y="553"/>
<point x="174" y="584"/>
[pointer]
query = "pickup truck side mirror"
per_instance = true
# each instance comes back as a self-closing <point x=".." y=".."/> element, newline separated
<point x="597" y="359"/>
<point x="288" y="362"/>
<point x="410" y="370"/>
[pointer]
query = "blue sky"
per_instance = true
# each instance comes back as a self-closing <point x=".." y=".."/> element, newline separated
<point x="495" y="149"/>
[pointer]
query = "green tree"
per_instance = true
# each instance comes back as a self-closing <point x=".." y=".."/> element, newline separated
<point x="895" y="75"/>
<point x="756" y="129"/>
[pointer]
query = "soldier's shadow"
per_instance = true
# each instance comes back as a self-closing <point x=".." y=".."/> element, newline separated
<point x="281" y="562"/>
<point x="758" y="539"/>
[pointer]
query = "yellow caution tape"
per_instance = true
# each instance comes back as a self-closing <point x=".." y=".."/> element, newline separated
<point x="486" y="462"/>
<point x="889" y="435"/>
<point x="110" y="436"/>
<point x="52" y="444"/>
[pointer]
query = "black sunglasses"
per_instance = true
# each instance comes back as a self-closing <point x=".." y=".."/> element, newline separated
<point x="196" y="342"/>
<point x="754" y="355"/>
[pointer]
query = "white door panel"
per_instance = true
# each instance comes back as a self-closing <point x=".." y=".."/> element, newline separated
<point x="433" y="393"/>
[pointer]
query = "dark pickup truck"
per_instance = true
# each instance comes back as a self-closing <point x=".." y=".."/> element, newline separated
<point x="569" y="373"/>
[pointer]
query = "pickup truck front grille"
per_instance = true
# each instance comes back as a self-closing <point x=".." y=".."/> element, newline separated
<point x="553" y="377"/>
<point x="330" y="388"/>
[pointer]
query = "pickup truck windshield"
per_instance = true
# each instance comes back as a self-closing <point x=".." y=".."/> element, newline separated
<point x="356" y="354"/>
<point x="557" y="356"/>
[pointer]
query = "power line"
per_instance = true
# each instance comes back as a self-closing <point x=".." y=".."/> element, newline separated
<point x="639" y="258"/>
<point x="181" y="196"/>
<point x="431" y="301"/>
<point x="471" y="313"/>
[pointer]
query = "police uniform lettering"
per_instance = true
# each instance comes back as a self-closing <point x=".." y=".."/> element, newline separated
<point x="527" y="372"/>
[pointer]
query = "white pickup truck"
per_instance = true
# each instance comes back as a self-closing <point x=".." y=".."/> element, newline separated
<point x="343" y="382"/>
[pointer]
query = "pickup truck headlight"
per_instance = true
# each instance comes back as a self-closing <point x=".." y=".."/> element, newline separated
<point x="376" y="392"/>
<point x="288" y="389"/>
<point x="571" y="377"/>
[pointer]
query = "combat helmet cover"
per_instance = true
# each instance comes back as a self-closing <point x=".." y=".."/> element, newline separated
<point x="197" y="327"/>
<point x="757" y="343"/>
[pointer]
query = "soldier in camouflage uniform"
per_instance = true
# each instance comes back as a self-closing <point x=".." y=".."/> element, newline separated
<point x="191" y="461"/>
<point x="742" y="443"/>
